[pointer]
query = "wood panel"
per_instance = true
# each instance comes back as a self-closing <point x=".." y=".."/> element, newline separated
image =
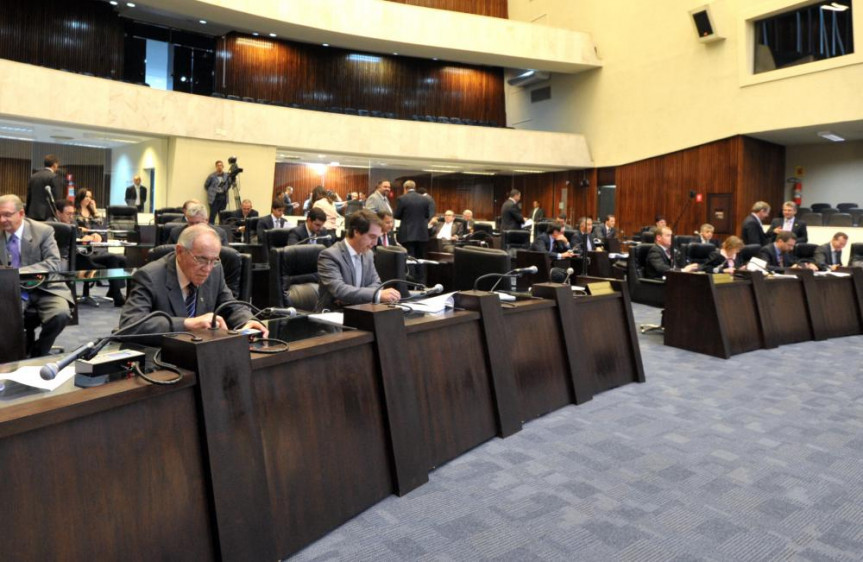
<point x="77" y="36"/>
<point x="304" y="179"/>
<point x="493" y="8"/>
<point x="322" y="77"/>
<point x="14" y="173"/>
<point x="91" y="177"/>
<point x="749" y="169"/>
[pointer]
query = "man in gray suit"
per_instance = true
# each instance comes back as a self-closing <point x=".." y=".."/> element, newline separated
<point x="188" y="284"/>
<point x="216" y="186"/>
<point x="347" y="269"/>
<point x="377" y="201"/>
<point x="30" y="247"/>
<point x="38" y="202"/>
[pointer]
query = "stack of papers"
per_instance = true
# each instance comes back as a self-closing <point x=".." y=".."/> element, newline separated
<point x="432" y="305"/>
<point x="29" y="376"/>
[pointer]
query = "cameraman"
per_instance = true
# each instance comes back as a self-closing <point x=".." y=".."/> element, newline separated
<point x="217" y="190"/>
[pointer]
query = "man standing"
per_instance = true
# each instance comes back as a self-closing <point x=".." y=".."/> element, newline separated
<point x="751" y="230"/>
<point x="44" y="188"/>
<point x="347" y="269"/>
<point x="287" y="197"/>
<point x="188" y="284"/>
<point x="789" y="222"/>
<point x="829" y="256"/>
<point x="310" y="231"/>
<point x="377" y="201"/>
<point x="29" y="246"/>
<point x="537" y="214"/>
<point x="136" y="194"/>
<point x="414" y="212"/>
<point x="216" y="185"/>
<point x="659" y="260"/>
<point x="510" y="213"/>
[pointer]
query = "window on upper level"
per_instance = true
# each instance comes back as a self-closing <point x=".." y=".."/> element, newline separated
<point x="812" y="33"/>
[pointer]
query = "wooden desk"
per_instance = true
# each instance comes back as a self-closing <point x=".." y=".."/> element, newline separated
<point x="11" y="347"/>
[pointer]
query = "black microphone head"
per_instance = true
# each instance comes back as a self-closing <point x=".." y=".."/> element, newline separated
<point x="557" y="275"/>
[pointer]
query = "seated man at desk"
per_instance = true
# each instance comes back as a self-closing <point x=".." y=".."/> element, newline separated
<point x="829" y="256"/>
<point x="92" y="260"/>
<point x="276" y="218"/>
<point x="29" y="246"/>
<point x="659" y="258"/>
<point x="347" y="269"/>
<point x="582" y="241"/>
<point x="705" y="235"/>
<point x="311" y="229"/>
<point x="447" y="231"/>
<point x="188" y="284"/>
<point x="780" y="254"/>
<point x="388" y="237"/>
<point x="553" y="242"/>
<point x="723" y="259"/>
<point x="196" y="213"/>
<point x="241" y="215"/>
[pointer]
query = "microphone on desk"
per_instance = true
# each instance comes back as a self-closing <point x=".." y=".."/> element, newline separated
<point x="392" y="282"/>
<point x="316" y="238"/>
<point x="86" y="351"/>
<point x="290" y="312"/>
<point x="51" y="202"/>
<point x="517" y="272"/>
<point x="214" y="325"/>
<point x="437" y="289"/>
<point x="569" y="272"/>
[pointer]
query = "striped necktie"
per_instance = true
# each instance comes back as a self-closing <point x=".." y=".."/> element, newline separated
<point x="191" y="300"/>
<point x="14" y="251"/>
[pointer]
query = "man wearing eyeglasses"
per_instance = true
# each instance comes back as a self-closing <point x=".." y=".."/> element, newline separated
<point x="188" y="284"/>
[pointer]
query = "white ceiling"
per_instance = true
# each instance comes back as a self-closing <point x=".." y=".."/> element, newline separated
<point x="849" y="130"/>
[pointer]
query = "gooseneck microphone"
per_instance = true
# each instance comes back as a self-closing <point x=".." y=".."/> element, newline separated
<point x="517" y="272"/>
<point x="437" y="289"/>
<point x="214" y="325"/>
<point x="324" y="237"/>
<point x="290" y="312"/>
<point x="49" y="371"/>
<point x="391" y="282"/>
<point x="569" y="272"/>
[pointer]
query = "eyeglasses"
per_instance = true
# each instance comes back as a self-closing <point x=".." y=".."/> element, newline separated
<point x="8" y="215"/>
<point x="204" y="262"/>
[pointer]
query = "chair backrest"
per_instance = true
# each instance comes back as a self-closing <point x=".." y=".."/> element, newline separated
<point x="803" y="210"/>
<point x="818" y="207"/>
<point x="471" y="262"/>
<point x="698" y="253"/>
<point x="226" y="216"/>
<point x="856" y="216"/>
<point x="251" y="230"/>
<point x="826" y="213"/>
<point x="857" y="250"/>
<point x="805" y="251"/>
<point x="487" y="228"/>
<point x="165" y="218"/>
<point x="840" y="219"/>
<point x="391" y="262"/>
<point x="65" y="235"/>
<point x="516" y="239"/>
<point x="526" y="258"/>
<point x="294" y="276"/>
<point x="746" y="253"/>
<point x="846" y="207"/>
<point x="640" y="253"/>
<point x="812" y="219"/>
<point x="275" y="238"/>
<point x="122" y="217"/>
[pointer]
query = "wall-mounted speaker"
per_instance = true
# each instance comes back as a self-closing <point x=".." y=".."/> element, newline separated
<point x="705" y="24"/>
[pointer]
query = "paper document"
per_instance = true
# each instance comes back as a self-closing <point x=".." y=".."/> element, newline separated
<point x="504" y="297"/>
<point x="29" y="376"/>
<point x="432" y="305"/>
<point x="331" y="318"/>
<point x="832" y="274"/>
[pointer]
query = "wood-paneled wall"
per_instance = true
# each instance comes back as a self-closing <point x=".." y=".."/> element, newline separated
<point x="76" y="35"/>
<point x="14" y="173"/>
<point x="493" y="8"/>
<point x="304" y="179"/>
<point x="317" y="76"/>
<point x="746" y="168"/>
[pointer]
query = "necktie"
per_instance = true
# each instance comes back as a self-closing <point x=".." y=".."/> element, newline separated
<point x="281" y="223"/>
<point x="779" y="258"/>
<point x="386" y="240"/>
<point x="14" y="251"/>
<point x="358" y="271"/>
<point x="191" y="300"/>
<point x="837" y="258"/>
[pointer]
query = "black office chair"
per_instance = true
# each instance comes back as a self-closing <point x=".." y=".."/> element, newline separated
<point x="122" y="217"/>
<point x="527" y="258"/>
<point x="856" y="259"/>
<point x="680" y="242"/>
<point x="826" y="214"/>
<point x="482" y="227"/>
<point x="846" y="207"/>
<point x="818" y="207"/>
<point x="166" y="211"/>
<point x="514" y="240"/>
<point x="805" y="252"/>
<point x="803" y="210"/>
<point x="699" y="253"/>
<point x="391" y="263"/>
<point x="237" y="268"/>
<point x="275" y="238"/>
<point x="856" y="216"/>
<point x="294" y="276"/>
<point x="813" y="219"/>
<point x="840" y="219"/>
<point x="65" y="235"/>
<point x="250" y="235"/>
<point x="540" y="227"/>
<point x="470" y="262"/>
<point x="641" y="289"/>
<point x="746" y="253"/>
<point x="168" y="217"/>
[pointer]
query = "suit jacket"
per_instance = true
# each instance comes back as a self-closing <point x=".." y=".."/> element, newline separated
<point x="824" y="256"/>
<point x="605" y="233"/>
<point x="377" y="202"/>
<point x="798" y="228"/>
<point x="301" y="232"/>
<point x="336" y="272"/>
<point x="238" y="215"/>
<point x="537" y="214"/>
<point x="177" y="230"/>
<point x="266" y="223"/>
<point x="457" y="229"/>
<point x="391" y="240"/>
<point x="216" y="184"/>
<point x="579" y="242"/>
<point x="39" y="254"/>
<point x="130" y="197"/>
<point x="156" y="287"/>
<point x="715" y="263"/>
<point x="37" y="206"/>
<point x="510" y="215"/>
<point x="752" y="232"/>
<point x="714" y="241"/>
<point x="658" y="262"/>
<point x="544" y="243"/>
<point x="768" y="254"/>
<point x="414" y="211"/>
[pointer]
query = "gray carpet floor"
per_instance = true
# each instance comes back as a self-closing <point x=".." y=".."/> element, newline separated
<point x="759" y="457"/>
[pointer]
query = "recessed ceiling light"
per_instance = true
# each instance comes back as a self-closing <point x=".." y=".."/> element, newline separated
<point x="202" y="22"/>
<point x="255" y="33"/>
<point x="434" y="58"/>
<point x="130" y="4"/>
<point x="113" y="2"/>
<point x="325" y="44"/>
<point x="396" y="54"/>
<point x="830" y="136"/>
<point x="273" y="35"/>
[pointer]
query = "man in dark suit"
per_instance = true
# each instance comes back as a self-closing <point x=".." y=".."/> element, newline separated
<point x="608" y="228"/>
<point x="829" y="256"/>
<point x="537" y="214"/>
<point x="789" y="222"/>
<point x="241" y="215"/>
<point x="216" y="186"/>
<point x="30" y="247"/>
<point x="447" y="231"/>
<point x="553" y="242"/>
<point x="779" y="255"/>
<point x="467" y="215"/>
<point x="310" y="231"/>
<point x="276" y="218"/>
<point x="414" y="211"/>
<point x="196" y="213"/>
<point x="705" y="235"/>
<point x="136" y="194"/>
<point x="659" y="260"/>
<point x="582" y="241"/>
<point x="347" y="269"/>
<point x="40" y="205"/>
<point x="188" y="284"/>
<point x="751" y="230"/>
<point x="387" y="237"/>
<point x="510" y="212"/>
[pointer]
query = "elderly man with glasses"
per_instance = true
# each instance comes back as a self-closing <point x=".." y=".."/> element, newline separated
<point x="188" y="284"/>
